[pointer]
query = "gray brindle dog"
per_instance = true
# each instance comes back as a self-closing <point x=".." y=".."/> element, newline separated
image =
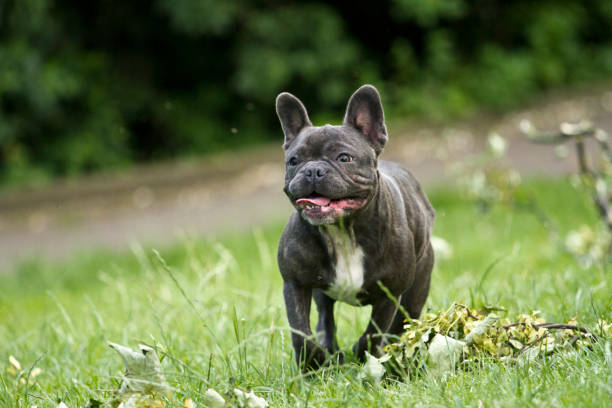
<point x="360" y="223"/>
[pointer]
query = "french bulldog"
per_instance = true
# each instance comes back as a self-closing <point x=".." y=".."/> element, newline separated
<point x="360" y="233"/>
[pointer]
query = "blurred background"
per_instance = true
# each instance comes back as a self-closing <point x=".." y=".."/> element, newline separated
<point x="132" y="120"/>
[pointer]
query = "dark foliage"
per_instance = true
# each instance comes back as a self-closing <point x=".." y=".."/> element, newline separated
<point x="90" y="85"/>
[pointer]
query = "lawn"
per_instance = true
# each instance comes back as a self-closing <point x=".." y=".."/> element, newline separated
<point x="216" y="315"/>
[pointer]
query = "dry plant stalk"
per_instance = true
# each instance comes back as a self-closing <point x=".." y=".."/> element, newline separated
<point x="596" y="179"/>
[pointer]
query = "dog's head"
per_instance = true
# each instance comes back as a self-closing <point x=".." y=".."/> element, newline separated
<point x="331" y="171"/>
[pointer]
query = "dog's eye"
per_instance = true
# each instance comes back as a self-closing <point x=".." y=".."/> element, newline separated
<point x="293" y="161"/>
<point x="344" y="158"/>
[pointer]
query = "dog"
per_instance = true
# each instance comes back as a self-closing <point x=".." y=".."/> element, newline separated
<point x="360" y="233"/>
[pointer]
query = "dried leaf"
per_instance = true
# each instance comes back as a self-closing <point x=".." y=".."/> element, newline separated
<point x="445" y="352"/>
<point x="484" y="336"/>
<point x="481" y="329"/>
<point x="14" y="367"/>
<point x="249" y="399"/>
<point x="15" y="363"/>
<point x="35" y="372"/>
<point x="141" y="401"/>
<point x="516" y="344"/>
<point x="373" y="370"/>
<point x="143" y="370"/>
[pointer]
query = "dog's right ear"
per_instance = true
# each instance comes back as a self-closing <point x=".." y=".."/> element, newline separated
<point x="292" y="115"/>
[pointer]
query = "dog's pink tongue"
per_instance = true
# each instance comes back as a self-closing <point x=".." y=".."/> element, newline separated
<point x="320" y="201"/>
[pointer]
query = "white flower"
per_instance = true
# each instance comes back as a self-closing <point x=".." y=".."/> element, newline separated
<point x="477" y="183"/>
<point x="526" y="126"/>
<point x="514" y="178"/>
<point x="601" y="187"/>
<point x="497" y="144"/>
<point x="442" y="249"/>
<point x="35" y="372"/>
<point x="212" y="399"/>
<point x="15" y="363"/>
<point x="249" y="399"/>
<point x="14" y="367"/>
<point x="574" y="242"/>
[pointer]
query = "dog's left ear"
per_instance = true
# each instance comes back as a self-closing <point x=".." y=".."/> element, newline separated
<point x="365" y="113"/>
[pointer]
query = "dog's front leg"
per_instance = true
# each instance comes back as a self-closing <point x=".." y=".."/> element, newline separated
<point x="308" y="353"/>
<point x="382" y="315"/>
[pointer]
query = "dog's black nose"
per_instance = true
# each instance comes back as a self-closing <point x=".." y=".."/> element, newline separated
<point x="315" y="171"/>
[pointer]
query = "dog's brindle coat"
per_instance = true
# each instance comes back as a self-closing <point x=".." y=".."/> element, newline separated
<point x="360" y="223"/>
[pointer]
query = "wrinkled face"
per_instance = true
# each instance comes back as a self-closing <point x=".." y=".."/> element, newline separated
<point x="331" y="170"/>
<point x="330" y="173"/>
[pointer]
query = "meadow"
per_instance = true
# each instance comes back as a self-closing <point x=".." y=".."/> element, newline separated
<point x="213" y="309"/>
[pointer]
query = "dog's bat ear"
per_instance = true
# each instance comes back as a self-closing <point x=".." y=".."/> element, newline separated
<point x="293" y="116"/>
<point x="365" y="113"/>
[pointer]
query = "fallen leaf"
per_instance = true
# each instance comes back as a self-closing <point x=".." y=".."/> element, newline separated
<point x="481" y="329"/>
<point x="249" y="399"/>
<point x="445" y="352"/>
<point x="14" y="366"/>
<point x="372" y="369"/>
<point x="516" y="344"/>
<point x="213" y="399"/>
<point x="141" y="401"/>
<point x="35" y="372"/>
<point x="15" y="363"/>
<point x="143" y="370"/>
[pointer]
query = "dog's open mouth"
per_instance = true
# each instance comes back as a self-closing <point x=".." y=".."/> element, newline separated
<point x="319" y="206"/>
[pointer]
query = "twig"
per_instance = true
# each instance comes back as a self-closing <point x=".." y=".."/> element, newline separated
<point x="602" y="138"/>
<point x="563" y="326"/>
<point x="530" y="345"/>
<point x="583" y="164"/>
<point x="552" y="326"/>
<point x="566" y="131"/>
<point x="508" y="326"/>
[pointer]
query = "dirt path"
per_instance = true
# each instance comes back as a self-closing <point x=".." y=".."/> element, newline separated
<point x="236" y="191"/>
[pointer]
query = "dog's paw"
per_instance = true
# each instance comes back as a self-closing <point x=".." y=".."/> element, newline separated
<point x="339" y="358"/>
<point x="318" y="357"/>
<point x="336" y="358"/>
<point x="312" y="357"/>
<point x="364" y="344"/>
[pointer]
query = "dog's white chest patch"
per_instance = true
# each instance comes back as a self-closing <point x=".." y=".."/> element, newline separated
<point x="348" y="267"/>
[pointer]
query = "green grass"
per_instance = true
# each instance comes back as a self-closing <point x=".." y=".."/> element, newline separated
<point x="229" y="329"/>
